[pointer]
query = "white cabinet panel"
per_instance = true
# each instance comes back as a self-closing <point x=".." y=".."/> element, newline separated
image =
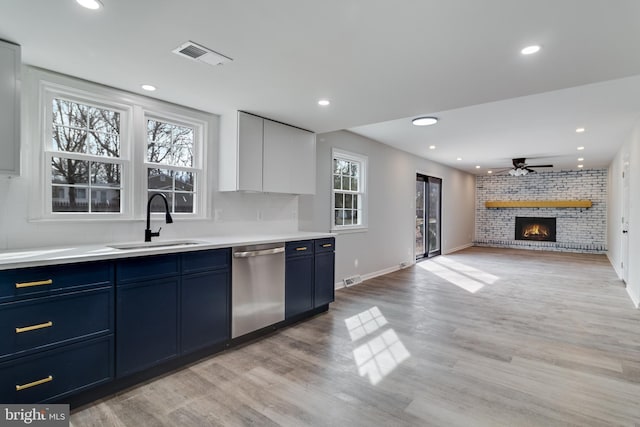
<point x="250" y="152"/>
<point x="258" y="154"/>
<point x="9" y="108"/>
<point x="289" y="159"/>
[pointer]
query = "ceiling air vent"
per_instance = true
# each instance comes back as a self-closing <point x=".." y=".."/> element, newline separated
<point x="200" y="53"/>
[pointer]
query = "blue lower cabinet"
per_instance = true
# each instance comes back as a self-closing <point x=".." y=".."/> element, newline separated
<point x="54" y="374"/>
<point x="298" y="278"/>
<point x="39" y="323"/>
<point x="324" y="278"/>
<point x="205" y="309"/>
<point x="146" y="324"/>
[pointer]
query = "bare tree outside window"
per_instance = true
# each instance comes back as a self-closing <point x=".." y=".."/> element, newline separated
<point x="170" y="148"/>
<point x="87" y="181"/>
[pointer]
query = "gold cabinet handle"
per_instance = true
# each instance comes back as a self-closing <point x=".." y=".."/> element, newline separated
<point x="327" y="245"/>
<point x="29" y="284"/>
<point x="304" y="248"/>
<point x="33" y="384"/>
<point x="34" y="327"/>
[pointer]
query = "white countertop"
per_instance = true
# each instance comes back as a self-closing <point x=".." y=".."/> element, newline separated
<point x="33" y="257"/>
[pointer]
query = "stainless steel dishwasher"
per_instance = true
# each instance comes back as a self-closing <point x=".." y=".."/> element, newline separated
<point x="257" y="290"/>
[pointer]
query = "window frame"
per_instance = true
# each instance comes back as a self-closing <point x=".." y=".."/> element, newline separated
<point x="199" y="159"/>
<point x="49" y="91"/>
<point x="41" y="86"/>
<point x="337" y="153"/>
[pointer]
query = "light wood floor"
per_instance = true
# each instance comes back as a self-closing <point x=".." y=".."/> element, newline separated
<point x="546" y="339"/>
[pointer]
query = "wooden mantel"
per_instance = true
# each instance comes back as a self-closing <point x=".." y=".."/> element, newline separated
<point x="538" y="204"/>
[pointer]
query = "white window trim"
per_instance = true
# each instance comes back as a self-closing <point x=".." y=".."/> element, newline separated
<point x="41" y="86"/>
<point x="363" y="160"/>
<point x="199" y="155"/>
<point x="49" y="91"/>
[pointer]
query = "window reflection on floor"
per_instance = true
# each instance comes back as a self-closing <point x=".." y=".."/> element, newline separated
<point x="379" y="355"/>
<point x="468" y="278"/>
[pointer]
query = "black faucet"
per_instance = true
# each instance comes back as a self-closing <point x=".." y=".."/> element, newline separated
<point x="148" y="234"/>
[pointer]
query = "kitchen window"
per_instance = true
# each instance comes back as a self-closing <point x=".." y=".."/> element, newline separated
<point x="348" y="201"/>
<point x="106" y="151"/>
<point x="84" y="157"/>
<point x="173" y="164"/>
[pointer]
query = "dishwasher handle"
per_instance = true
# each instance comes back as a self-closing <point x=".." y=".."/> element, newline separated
<point x="249" y="254"/>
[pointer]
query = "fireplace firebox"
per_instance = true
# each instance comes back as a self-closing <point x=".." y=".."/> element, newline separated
<point x="536" y="228"/>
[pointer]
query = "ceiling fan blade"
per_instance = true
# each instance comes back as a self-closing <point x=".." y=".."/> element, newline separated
<point x="539" y="166"/>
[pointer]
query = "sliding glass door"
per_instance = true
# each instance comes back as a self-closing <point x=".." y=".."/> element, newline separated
<point x="428" y="212"/>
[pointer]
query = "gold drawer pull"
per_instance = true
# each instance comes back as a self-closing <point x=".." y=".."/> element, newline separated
<point x="34" y="327"/>
<point x="304" y="248"/>
<point x="29" y="284"/>
<point x="33" y="384"/>
<point x="327" y="245"/>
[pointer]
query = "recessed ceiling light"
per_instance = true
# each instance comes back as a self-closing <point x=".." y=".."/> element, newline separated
<point x="477" y="166"/>
<point x="580" y="148"/>
<point x="425" y="121"/>
<point x="530" y="49"/>
<point x="580" y="159"/>
<point x="489" y="171"/>
<point x="432" y="147"/>
<point x="579" y="130"/>
<point x="580" y="166"/>
<point x="149" y="88"/>
<point x="324" y="102"/>
<point x="459" y="158"/>
<point x="90" y="4"/>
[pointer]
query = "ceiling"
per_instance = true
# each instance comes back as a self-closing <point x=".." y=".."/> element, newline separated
<point x="380" y="63"/>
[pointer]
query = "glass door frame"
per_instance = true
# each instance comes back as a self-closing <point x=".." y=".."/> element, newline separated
<point x="428" y="253"/>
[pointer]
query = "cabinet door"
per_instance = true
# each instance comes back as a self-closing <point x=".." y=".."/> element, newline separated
<point x="205" y="314"/>
<point x="289" y="159"/>
<point x="250" y="133"/>
<point x="9" y="108"/>
<point x="324" y="272"/>
<point x="147" y="324"/>
<point x="298" y="285"/>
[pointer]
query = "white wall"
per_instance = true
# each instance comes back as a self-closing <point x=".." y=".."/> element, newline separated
<point x="631" y="151"/>
<point x="19" y="196"/>
<point x="389" y="239"/>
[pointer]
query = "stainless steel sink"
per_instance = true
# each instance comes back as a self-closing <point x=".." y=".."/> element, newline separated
<point x="154" y="245"/>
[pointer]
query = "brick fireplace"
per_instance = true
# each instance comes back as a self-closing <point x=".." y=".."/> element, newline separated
<point x="576" y="229"/>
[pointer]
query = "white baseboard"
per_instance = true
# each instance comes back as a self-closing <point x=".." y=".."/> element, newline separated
<point x="340" y="284"/>
<point x="457" y="248"/>
<point x="615" y="267"/>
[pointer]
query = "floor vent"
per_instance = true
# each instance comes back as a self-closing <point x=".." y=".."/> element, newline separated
<point x="200" y="53"/>
<point x="353" y="280"/>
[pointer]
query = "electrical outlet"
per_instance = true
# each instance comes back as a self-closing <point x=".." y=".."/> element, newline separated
<point x="217" y="214"/>
<point x="259" y="215"/>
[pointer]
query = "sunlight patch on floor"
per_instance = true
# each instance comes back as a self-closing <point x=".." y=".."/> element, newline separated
<point x="460" y="280"/>
<point x="472" y="272"/>
<point x="380" y="355"/>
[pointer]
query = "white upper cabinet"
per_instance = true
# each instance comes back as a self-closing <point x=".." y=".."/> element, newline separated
<point x="289" y="159"/>
<point x="9" y="108"/>
<point x="258" y="154"/>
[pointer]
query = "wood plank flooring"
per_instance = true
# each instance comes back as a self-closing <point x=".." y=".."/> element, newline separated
<point x="482" y="337"/>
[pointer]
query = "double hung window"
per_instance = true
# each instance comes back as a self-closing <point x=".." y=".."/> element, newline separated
<point x="348" y="190"/>
<point x="106" y="153"/>
<point x="172" y="165"/>
<point x="84" y="158"/>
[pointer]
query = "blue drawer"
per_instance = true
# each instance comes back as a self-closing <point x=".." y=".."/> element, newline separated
<point x="325" y="245"/>
<point x="42" y="322"/>
<point x="54" y="374"/>
<point x="195" y="262"/>
<point x="145" y="268"/>
<point x="39" y="281"/>
<point x="299" y="248"/>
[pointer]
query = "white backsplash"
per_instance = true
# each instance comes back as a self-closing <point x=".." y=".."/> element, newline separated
<point x="232" y="213"/>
